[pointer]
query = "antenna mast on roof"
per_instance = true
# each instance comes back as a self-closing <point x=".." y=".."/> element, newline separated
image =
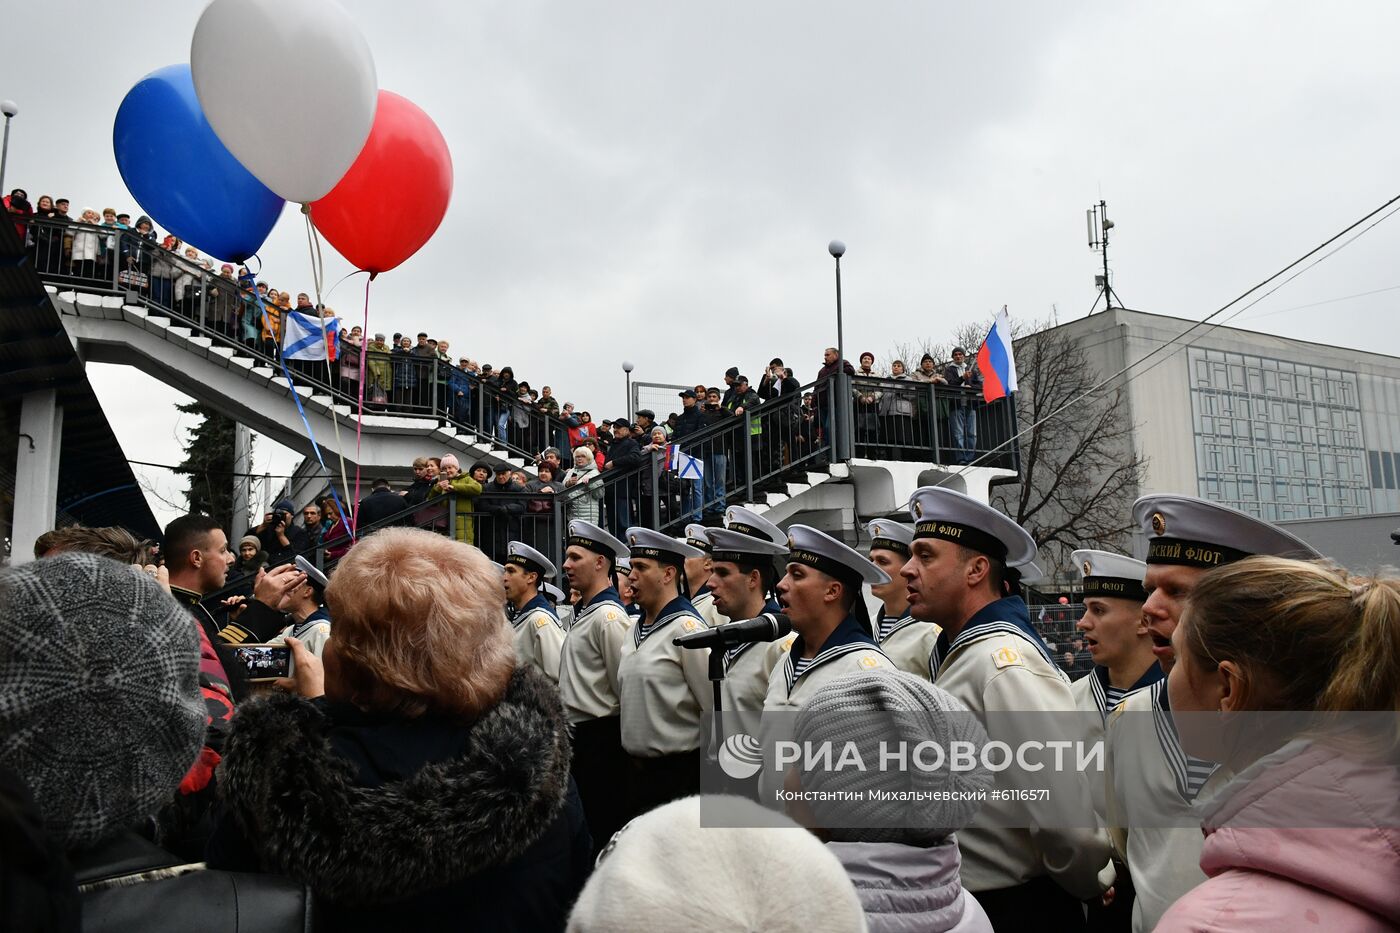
<point x="1099" y="225"/>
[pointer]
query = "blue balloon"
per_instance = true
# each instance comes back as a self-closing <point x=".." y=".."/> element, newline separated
<point x="180" y="174"/>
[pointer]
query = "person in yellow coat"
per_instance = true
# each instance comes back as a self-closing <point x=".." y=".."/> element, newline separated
<point x="463" y="488"/>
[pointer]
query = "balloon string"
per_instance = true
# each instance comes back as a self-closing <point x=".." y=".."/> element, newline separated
<point x="318" y="272"/>
<point x="360" y="421"/>
<point x="250" y="285"/>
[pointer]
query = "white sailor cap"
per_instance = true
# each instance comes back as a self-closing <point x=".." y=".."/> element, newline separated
<point x="1026" y="573"/>
<point x="953" y="516"/>
<point x="886" y="534"/>
<point x="653" y="545"/>
<point x="697" y="535"/>
<point x="592" y="538"/>
<point x="735" y="547"/>
<point x="555" y="594"/>
<point x="1196" y="533"/>
<point x="500" y="568"/>
<point x="1109" y="574"/>
<point x="747" y="521"/>
<point x="527" y="558"/>
<point x="821" y="551"/>
<point x="624" y="565"/>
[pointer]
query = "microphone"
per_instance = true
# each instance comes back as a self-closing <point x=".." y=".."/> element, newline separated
<point x="768" y="627"/>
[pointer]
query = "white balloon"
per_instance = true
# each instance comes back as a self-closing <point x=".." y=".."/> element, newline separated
<point x="289" y="87"/>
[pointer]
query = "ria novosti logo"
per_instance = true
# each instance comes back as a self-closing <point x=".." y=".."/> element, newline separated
<point x="741" y="756"/>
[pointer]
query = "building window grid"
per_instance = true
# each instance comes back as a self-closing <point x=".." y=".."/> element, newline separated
<point x="1298" y="420"/>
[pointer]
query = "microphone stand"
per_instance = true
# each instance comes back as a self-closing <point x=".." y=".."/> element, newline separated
<point x="716" y="678"/>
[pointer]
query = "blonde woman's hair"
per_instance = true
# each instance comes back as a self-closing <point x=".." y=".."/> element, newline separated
<point x="420" y="625"/>
<point x="1322" y="640"/>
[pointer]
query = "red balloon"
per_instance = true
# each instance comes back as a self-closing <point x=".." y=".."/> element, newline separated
<point x="395" y="195"/>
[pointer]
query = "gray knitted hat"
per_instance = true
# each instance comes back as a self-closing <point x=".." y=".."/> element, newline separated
<point x="100" y="709"/>
<point x="888" y="706"/>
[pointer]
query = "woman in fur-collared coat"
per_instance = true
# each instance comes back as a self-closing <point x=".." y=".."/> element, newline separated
<point x="421" y="779"/>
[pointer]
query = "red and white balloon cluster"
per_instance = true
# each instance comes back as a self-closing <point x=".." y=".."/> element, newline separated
<point x="289" y="87"/>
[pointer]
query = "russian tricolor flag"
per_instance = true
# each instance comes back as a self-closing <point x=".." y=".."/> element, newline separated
<point x="995" y="362"/>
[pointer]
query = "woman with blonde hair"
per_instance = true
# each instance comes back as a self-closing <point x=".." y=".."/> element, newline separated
<point x="420" y="779"/>
<point x="1288" y="673"/>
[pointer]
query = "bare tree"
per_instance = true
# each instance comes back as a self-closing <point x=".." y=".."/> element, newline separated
<point x="968" y="335"/>
<point x="1080" y="470"/>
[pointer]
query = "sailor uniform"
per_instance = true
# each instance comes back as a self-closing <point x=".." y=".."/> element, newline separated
<point x="998" y="664"/>
<point x="539" y="636"/>
<point x="589" y="660"/>
<point x="847" y="650"/>
<point x="313" y="631"/>
<point x="704" y="604"/>
<point x="907" y="641"/>
<point x="664" y="687"/>
<point x="1154" y="790"/>
<point x="747" y="671"/>
<point x="1152" y="785"/>
<point x="588" y="684"/>
<point x="1097" y="698"/>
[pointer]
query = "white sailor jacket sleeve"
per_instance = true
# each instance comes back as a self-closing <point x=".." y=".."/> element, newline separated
<point x="609" y="637"/>
<point x="1073" y="855"/>
<point x="695" y="663"/>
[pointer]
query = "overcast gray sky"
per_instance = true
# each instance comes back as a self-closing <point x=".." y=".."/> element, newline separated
<point x="659" y="181"/>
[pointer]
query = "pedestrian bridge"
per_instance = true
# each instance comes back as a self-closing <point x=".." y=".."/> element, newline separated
<point x="855" y="452"/>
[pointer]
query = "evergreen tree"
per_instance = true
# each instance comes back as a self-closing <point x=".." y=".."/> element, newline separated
<point x="209" y="463"/>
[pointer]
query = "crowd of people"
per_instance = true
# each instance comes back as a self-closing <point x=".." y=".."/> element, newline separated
<point x="471" y="746"/>
<point x="421" y="373"/>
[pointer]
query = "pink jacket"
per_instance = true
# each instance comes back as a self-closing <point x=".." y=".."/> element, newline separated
<point x="1266" y="872"/>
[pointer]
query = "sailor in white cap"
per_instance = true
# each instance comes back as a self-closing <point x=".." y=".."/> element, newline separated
<point x="539" y="636"/>
<point x="697" y="575"/>
<point x="559" y="602"/>
<point x="1152" y="784"/>
<point x="1114" y="633"/>
<point x="822" y="593"/>
<point x="588" y="681"/>
<point x="622" y="582"/>
<point x="906" y="640"/>
<point x="990" y="658"/>
<point x="665" y="688"/>
<point x="747" y="521"/>
<point x="744" y="579"/>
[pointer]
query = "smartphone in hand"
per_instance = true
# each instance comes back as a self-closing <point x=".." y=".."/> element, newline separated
<point x="264" y="662"/>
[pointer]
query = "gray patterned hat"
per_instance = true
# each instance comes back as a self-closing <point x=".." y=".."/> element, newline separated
<point x="100" y="709"/>
<point x="885" y="707"/>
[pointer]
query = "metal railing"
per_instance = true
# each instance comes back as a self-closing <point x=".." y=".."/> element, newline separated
<point x="119" y="261"/>
<point x="901" y="419"/>
<point x="1056" y="624"/>
<point x="743" y="455"/>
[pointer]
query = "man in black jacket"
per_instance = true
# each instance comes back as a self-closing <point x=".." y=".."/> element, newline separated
<point x="623" y="454"/>
<point x="381" y="503"/>
<point x="831" y="365"/>
<point x="503" y="502"/>
<point x="689" y="421"/>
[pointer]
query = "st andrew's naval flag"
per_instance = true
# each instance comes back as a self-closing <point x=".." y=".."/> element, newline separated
<point x="688" y="467"/>
<point x="995" y="362"/>
<point x="301" y="336"/>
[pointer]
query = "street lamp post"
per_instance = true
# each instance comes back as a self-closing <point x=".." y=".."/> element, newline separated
<point x="837" y="250"/>
<point x="627" y="368"/>
<point x="9" y="109"/>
